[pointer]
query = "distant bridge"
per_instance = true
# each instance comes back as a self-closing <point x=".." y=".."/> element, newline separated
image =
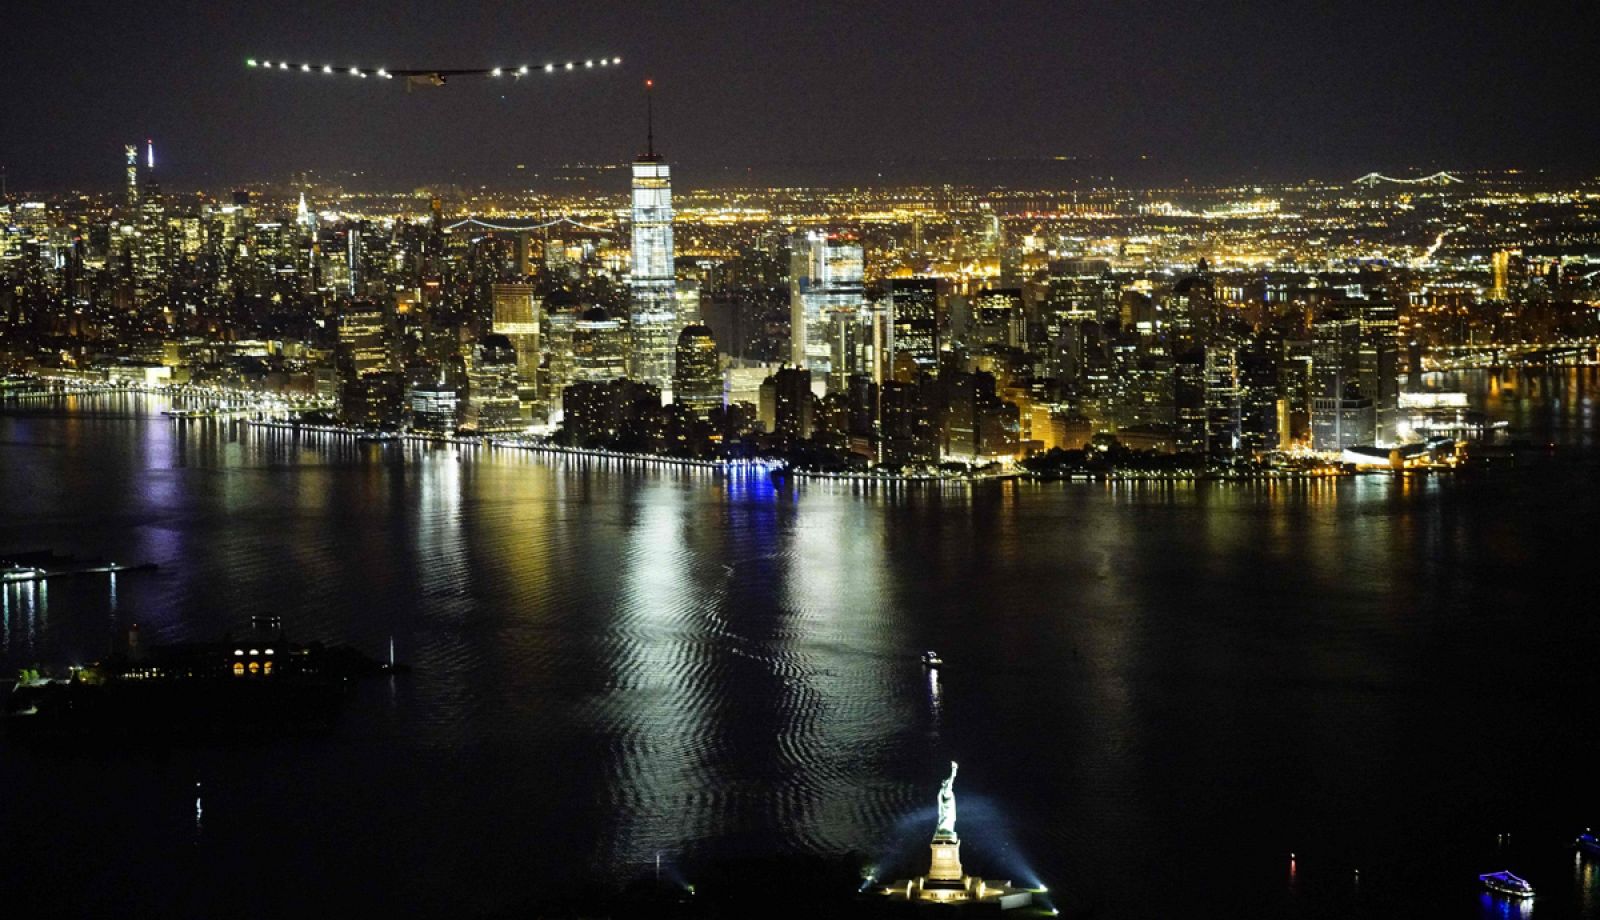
<point x="519" y="226"/>
<point x="1440" y="178"/>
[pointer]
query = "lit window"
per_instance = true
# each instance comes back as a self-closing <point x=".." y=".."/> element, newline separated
<point x="255" y="667"/>
<point x="238" y="667"/>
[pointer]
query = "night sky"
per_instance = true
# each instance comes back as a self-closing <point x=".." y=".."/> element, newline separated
<point x="803" y="89"/>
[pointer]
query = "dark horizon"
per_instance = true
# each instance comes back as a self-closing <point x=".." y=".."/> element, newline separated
<point x="1275" y="92"/>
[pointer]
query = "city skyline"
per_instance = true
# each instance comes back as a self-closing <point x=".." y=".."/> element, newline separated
<point x="1249" y="90"/>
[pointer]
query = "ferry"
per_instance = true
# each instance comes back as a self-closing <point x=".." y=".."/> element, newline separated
<point x="931" y="659"/>
<point x="1588" y="843"/>
<point x="1504" y="883"/>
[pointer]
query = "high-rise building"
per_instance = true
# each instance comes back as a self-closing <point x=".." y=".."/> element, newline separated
<point x="1224" y="404"/>
<point x="997" y="320"/>
<point x="435" y="407"/>
<point x="827" y="294"/>
<point x="492" y="403"/>
<point x="131" y="154"/>
<point x="652" y="280"/>
<point x="788" y="392"/>
<point x="914" y="311"/>
<point x="516" y="316"/>
<point x="1341" y="415"/>
<point x="599" y="347"/>
<point x="364" y="333"/>
<point x="697" y="377"/>
<point x="1378" y="365"/>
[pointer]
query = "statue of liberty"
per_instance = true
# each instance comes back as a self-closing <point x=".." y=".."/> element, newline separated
<point x="947" y="805"/>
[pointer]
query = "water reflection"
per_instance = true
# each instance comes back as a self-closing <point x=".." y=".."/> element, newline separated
<point x="615" y="661"/>
<point x="1498" y="907"/>
<point x="1586" y="885"/>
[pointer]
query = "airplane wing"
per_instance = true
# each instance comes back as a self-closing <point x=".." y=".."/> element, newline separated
<point x="433" y="76"/>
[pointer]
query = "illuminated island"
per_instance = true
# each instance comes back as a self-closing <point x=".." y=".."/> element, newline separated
<point x="945" y="884"/>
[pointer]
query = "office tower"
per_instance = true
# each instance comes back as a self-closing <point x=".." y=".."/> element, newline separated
<point x="844" y="348"/>
<point x="1341" y="415"/>
<point x="1189" y="400"/>
<point x="908" y="428"/>
<point x="1378" y="366"/>
<point x="1192" y="310"/>
<point x="977" y="425"/>
<point x="688" y="302"/>
<point x="652" y="280"/>
<point x="621" y="413"/>
<point x="516" y="316"/>
<point x="435" y="407"/>
<point x="997" y="320"/>
<point x="364" y="339"/>
<point x="697" y="377"/>
<point x="557" y="363"/>
<point x="1263" y="410"/>
<point x="131" y="154"/>
<point x="914" y="317"/>
<point x="492" y="403"/>
<point x="827" y="293"/>
<point x="793" y="415"/>
<point x="1223" y="400"/>
<point x="599" y="347"/>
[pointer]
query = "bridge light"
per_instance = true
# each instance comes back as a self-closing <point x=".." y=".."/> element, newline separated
<point x="570" y="65"/>
<point x="327" y="69"/>
<point x="522" y="70"/>
<point x="305" y="68"/>
<point x="549" y="68"/>
<point x="495" y="72"/>
<point x="250" y="63"/>
<point x="616" y="60"/>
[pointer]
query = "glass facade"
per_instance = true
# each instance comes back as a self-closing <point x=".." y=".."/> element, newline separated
<point x="652" y="279"/>
<point x="828" y="275"/>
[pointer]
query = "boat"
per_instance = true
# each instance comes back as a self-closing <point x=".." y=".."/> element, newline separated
<point x="1588" y="843"/>
<point x="931" y="659"/>
<point x="1504" y="883"/>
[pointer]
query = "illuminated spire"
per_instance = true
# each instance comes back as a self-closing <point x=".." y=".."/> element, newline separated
<point x="649" y="118"/>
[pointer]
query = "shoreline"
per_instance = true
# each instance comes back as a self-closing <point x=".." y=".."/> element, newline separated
<point x="253" y="401"/>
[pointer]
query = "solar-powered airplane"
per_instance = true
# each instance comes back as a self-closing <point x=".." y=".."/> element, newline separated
<point x="427" y="77"/>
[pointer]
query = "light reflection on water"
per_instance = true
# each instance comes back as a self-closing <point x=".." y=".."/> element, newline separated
<point x="1151" y="687"/>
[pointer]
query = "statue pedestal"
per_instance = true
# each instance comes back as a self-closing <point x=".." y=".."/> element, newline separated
<point x="946" y="884"/>
<point x="946" y="865"/>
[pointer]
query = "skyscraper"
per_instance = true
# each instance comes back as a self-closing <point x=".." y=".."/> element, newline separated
<point x="652" y="280"/>
<point x="492" y="404"/>
<point x="598" y="347"/>
<point x="697" y="379"/>
<point x="131" y="152"/>
<point x="827" y="297"/>
<point x="516" y="316"/>
<point x="915" y="310"/>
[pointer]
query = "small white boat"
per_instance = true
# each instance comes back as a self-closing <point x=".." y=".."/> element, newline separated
<point x="931" y="659"/>
<point x="1504" y="883"/>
